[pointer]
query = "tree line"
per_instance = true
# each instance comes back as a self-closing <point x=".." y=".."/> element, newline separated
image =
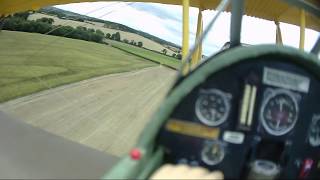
<point x="133" y="42"/>
<point x="20" y="22"/>
<point x="44" y="25"/>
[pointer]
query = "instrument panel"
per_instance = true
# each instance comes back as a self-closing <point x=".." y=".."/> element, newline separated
<point x="254" y="119"/>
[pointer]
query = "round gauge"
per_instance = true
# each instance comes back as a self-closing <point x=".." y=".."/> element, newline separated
<point x="314" y="132"/>
<point x="279" y="112"/>
<point x="264" y="169"/>
<point x="212" y="107"/>
<point x="212" y="153"/>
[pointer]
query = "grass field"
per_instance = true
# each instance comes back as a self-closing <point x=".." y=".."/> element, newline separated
<point x="33" y="62"/>
<point x="153" y="56"/>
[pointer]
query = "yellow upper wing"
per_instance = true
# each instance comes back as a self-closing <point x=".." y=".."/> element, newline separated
<point x="265" y="9"/>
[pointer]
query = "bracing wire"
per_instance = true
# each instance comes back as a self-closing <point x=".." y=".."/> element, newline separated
<point x="90" y="12"/>
<point x="57" y="40"/>
<point x="221" y="7"/>
<point x="53" y="42"/>
<point x="66" y="34"/>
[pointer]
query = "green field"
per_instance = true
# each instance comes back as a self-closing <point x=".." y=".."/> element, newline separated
<point x="153" y="56"/>
<point x="33" y="62"/>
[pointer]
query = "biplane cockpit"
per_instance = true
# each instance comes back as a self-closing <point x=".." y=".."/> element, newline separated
<point x="249" y="111"/>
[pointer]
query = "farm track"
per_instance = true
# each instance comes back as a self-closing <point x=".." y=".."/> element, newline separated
<point x="106" y="113"/>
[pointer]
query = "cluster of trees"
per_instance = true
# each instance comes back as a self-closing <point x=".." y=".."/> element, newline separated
<point x="116" y="36"/>
<point x="134" y="43"/>
<point x="164" y="51"/>
<point x="178" y="56"/>
<point x="46" y="20"/>
<point x="19" y="22"/>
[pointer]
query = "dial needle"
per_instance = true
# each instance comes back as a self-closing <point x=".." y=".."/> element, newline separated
<point x="213" y="113"/>
<point x="281" y="106"/>
<point x="278" y="123"/>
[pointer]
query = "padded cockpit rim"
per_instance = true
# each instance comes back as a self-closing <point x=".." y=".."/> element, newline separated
<point x="222" y="61"/>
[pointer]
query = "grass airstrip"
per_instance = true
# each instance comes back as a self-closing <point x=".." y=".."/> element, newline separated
<point x="32" y="62"/>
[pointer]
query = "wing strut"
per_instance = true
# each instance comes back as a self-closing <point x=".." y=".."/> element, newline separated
<point x="302" y="28"/>
<point x="237" y="7"/>
<point x="185" y="28"/>
<point x="185" y="33"/>
<point x="198" y="54"/>
<point x="278" y="33"/>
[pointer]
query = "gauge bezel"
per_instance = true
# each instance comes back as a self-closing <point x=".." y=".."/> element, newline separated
<point x="259" y="165"/>
<point x="315" y="120"/>
<point x="226" y="100"/>
<point x="271" y="94"/>
<point x="205" y="159"/>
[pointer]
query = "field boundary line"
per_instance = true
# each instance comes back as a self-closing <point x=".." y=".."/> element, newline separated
<point x="71" y="85"/>
<point x="144" y="57"/>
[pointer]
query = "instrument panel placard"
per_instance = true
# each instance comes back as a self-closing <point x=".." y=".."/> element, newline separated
<point x="286" y="80"/>
<point x="192" y="129"/>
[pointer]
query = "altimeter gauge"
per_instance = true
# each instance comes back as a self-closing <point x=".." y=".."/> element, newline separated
<point x="279" y="111"/>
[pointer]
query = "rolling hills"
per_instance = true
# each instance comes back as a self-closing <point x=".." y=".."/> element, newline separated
<point x="67" y="18"/>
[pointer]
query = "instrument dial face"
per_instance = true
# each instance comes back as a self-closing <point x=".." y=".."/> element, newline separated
<point x="212" y="107"/>
<point x="314" y="132"/>
<point x="212" y="153"/>
<point x="279" y="112"/>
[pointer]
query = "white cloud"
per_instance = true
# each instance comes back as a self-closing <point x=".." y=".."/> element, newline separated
<point x="254" y="31"/>
<point x="146" y="22"/>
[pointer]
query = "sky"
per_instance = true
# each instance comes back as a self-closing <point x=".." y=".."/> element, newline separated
<point x="165" y="21"/>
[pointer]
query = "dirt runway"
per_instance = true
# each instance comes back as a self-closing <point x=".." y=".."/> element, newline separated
<point x="106" y="113"/>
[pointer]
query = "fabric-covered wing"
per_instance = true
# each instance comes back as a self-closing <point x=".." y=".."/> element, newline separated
<point x="265" y="9"/>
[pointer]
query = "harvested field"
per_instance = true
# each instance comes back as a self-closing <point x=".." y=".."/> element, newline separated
<point x="106" y="113"/>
